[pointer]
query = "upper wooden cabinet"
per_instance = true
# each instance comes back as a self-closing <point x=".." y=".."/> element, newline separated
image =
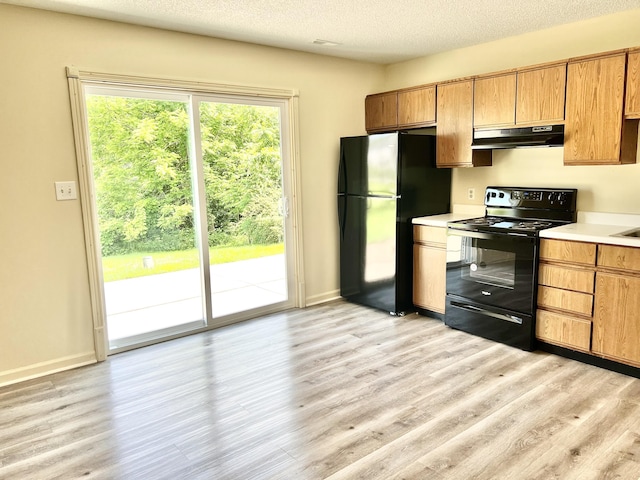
<point x="417" y="106"/>
<point x="381" y="112"/>
<point x="632" y="104"/>
<point x="494" y="101"/>
<point x="541" y="94"/>
<point x="597" y="97"/>
<point x="455" y="127"/>
<point x="595" y="133"/>
<point x="533" y="96"/>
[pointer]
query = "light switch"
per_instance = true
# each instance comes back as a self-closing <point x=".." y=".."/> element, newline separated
<point x="66" y="191"/>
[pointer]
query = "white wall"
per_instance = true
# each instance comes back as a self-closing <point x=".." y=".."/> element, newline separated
<point x="45" y="317"/>
<point x="601" y="188"/>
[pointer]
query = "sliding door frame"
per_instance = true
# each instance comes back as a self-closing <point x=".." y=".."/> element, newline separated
<point x="77" y="80"/>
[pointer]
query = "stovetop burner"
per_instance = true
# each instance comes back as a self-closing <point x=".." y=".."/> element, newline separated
<point x="502" y="223"/>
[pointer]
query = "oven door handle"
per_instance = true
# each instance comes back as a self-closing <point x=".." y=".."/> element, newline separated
<point x="489" y="313"/>
<point x="516" y="237"/>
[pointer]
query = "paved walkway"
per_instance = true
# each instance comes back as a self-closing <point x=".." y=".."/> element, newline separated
<point x="140" y="305"/>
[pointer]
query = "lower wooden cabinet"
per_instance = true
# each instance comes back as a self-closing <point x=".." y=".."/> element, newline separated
<point x="616" y="322"/>
<point x="589" y="299"/>
<point x="429" y="267"/>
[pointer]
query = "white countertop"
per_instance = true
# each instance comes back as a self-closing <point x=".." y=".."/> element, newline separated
<point x="441" y="220"/>
<point x="595" y="227"/>
<point x="598" y="228"/>
<point x="460" y="212"/>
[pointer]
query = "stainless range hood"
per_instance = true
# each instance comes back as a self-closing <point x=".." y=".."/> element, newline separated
<point x="545" y="136"/>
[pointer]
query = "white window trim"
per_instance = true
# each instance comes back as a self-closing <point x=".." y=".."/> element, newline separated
<point x="77" y="79"/>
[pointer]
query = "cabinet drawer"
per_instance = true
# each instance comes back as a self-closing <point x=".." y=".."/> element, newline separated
<point x="567" y="278"/>
<point x="625" y="258"/>
<point x="563" y="330"/>
<point x="574" y="302"/>
<point x="571" y="252"/>
<point x="430" y="235"/>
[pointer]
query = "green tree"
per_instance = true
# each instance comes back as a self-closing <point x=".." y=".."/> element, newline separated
<point x="241" y="150"/>
<point x="143" y="176"/>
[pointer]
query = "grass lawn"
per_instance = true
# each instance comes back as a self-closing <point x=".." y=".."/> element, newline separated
<point x="120" y="267"/>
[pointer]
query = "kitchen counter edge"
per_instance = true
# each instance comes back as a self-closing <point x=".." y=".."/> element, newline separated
<point x="442" y="219"/>
<point x="594" y="233"/>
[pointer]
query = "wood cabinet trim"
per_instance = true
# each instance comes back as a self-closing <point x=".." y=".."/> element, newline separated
<point x="539" y="66"/>
<point x="596" y="56"/>
<point x="632" y="97"/>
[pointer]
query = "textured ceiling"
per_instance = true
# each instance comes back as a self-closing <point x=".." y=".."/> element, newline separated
<point x="381" y="31"/>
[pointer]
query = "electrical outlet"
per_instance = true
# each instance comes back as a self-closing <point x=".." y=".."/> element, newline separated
<point x="66" y="191"/>
<point x="471" y="193"/>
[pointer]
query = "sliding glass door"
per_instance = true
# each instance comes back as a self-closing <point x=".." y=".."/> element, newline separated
<point x="241" y="153"/>
<point x="191" y="202"/>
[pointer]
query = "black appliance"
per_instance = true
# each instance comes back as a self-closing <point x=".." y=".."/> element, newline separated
<point x="543" y="136"/>
<point x="384" y="181"/>
<point x="492" y="262"/>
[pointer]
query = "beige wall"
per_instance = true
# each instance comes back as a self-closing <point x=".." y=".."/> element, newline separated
<point x="45" y="318"/>
<point x="601" y="188"/>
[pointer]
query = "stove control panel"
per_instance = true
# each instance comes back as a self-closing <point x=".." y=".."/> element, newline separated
<point x="538" y="198"/>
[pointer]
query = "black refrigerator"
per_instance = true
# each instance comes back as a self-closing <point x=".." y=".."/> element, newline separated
<point x="384" y="181"/>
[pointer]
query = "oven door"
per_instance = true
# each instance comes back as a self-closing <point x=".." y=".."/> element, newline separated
<point x="492" y="269"/>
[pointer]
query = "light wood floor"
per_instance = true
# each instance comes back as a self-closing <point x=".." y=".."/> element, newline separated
<point x="336" y="391"/>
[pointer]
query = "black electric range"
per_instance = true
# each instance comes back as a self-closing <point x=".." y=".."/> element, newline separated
<point x="492" y="264"/>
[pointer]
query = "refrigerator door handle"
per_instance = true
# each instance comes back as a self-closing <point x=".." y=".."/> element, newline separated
<point x="342" y="213"/>
<point x="390" y="197"/>
<point x="342" y="174"/>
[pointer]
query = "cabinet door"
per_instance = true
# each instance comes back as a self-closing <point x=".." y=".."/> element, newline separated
<point x="429" y="277"/>
<point x="540" y="95"/>
<point x="455" y="128"/>
<point x="494" y="101"/>
<point x="381" y="112"/>
<point x="417" y="107"/>
<point x="632" y="105"/>
<point x="593" y="126"/>
<point x="616" y="322"/>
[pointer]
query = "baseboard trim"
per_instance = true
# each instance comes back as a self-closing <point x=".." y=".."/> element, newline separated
<point x="9" y="377"/>
<point x="322" y="298"/>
